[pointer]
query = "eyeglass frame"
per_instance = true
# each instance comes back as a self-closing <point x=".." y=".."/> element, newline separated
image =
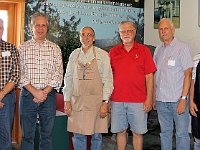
<point x="127" y="31"/>
<point x="86" y="35"/>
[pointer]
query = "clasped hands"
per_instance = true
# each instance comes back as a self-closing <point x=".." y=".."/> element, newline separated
<point x="103" y="112"/>
<point x="40" y="96"/>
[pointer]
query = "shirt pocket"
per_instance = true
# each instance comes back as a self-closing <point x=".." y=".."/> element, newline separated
<point x="47" y="65"/>
<point x="173" y="64"/>
<point x="139" y="64"/>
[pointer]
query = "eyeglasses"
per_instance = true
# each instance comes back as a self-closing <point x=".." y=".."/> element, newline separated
<point x="126" y="31"/>
<point x="86" y="35"/>
<point x="40" y="26"/>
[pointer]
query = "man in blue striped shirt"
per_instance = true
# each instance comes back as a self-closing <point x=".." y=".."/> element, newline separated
<point x="174" y="69"/>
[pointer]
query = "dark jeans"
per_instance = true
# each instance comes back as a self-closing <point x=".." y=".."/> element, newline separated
<point x="6" y="120"/>
<point x="29" y="111"/>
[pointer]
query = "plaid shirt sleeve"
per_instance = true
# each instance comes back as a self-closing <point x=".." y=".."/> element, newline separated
<point x="57" y="75"/>
<point x="15" y="74"/>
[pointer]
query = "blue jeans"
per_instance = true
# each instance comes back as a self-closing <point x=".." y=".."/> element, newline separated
<point x="29" y="110"/>
<point x="80" y="141"/>
<point x="167" y="115"/>
<point x="196" y="144"/>
<point x="6" y="120"/>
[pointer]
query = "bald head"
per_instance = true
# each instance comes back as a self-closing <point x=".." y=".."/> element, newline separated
<point x="166" y="20"/>
<point x="166" y="30"/>
<point x="87" y="37"/>
<point x="89" y="28"/>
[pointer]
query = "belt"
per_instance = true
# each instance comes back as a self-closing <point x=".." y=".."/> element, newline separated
<point x="41" y="89"/>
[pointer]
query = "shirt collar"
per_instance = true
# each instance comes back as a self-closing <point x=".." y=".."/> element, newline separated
<point x="135" y="46"/>
<point x="35" y="42"/>
<point x="89" y="50"/>
<point x="86" y="57"/>
<point x="172" y="44"/>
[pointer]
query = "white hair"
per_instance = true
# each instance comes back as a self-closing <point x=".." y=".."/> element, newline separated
<point x="167" y="20"/>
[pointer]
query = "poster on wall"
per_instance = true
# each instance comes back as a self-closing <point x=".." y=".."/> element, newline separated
<point x="167" y="9"/>
<point x="67" y="17"/>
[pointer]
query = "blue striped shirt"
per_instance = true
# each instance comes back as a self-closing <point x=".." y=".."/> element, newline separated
<point x="171" y="61"/>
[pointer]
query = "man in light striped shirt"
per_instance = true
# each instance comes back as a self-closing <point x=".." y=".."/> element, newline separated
<point x="41" y="75"/>
<point x="174" y="69"/>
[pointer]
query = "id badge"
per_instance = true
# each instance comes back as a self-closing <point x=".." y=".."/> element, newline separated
<point x="6" y="53"/>
<point x="171" y="62"/>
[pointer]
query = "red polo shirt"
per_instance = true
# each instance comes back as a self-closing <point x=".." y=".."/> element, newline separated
<point x="129" y="70"/>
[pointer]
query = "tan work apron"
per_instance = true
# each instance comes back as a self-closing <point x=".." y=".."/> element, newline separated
<point x="86" y="100"/>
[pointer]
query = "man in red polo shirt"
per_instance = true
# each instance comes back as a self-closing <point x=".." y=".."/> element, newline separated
<point x="131" y="100"/>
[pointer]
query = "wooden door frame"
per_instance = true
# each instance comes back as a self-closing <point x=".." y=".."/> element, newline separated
<point x="16" y="11"/>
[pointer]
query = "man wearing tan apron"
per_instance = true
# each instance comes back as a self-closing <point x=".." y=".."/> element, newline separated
<point x="88" y="86"/>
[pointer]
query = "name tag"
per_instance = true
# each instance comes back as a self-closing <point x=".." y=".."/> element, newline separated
<point x="171" y="62"/>
<point x="6" y="53"/>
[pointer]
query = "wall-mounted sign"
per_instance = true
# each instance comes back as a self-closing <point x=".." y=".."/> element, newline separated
<point x="68" y="17"/>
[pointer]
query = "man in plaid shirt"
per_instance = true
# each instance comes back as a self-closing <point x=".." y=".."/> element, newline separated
<point x="9" y="77"/>
<point x="41" y="75"/>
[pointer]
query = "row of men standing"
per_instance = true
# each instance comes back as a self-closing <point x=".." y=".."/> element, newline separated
<point x="131" y="97"/>
<point x="89" y="80"/>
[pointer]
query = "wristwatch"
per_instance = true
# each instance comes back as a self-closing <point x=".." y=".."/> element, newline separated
<point x="106" y="101"/>
<point x="183" y="97"/>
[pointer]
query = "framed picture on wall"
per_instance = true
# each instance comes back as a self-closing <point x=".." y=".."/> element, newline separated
<point x="167" y="9"/>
